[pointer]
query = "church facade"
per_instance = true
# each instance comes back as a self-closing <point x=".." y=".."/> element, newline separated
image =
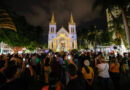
<point x="62" y="39"/>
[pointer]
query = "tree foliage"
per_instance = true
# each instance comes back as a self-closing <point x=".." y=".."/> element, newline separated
<point x="32" y="46"/>
<point x="123" y="5"/>
<point x="93" y="36"/>
<point x="25" y="36"/>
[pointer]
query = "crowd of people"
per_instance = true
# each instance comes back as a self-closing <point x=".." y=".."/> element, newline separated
<point x="63" y="71"/>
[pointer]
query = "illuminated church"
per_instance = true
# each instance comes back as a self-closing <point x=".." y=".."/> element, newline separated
<point x="62" y="39"/>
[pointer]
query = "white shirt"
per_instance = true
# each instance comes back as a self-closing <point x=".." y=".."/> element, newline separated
<point x="103" y="70"/>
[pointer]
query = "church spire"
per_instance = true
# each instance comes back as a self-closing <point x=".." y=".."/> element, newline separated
<point x="52" y="19"/>
<point x="71" y="19"/>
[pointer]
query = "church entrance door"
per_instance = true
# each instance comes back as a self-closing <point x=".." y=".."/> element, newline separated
<point x="62" y="44"/>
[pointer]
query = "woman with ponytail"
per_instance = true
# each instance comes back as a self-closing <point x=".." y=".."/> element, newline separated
<point x="88" y="74"/>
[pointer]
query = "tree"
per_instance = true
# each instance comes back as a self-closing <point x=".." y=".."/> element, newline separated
<point x="122" y="4"/>
<point x="117" y="29"/>
<point x="91" y="35"/>
<point x="80" y="38"/>
<point x="106" y="38"/>
<point x="25" y="36"/>
<point x="32" y="46"/>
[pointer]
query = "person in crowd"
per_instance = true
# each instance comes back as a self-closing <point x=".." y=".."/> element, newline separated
<point x="75" y="83"/>
<point x="103" y="72"/>
<point x="26" y="65"/>
<point x="88" y="74"/>
<point x="3" y="63"/>
<point x="16" y="59"/>
<point x="60" y="59"/>
<point x="12" y="79"/>
<point x="34" y="57"/>
<point x="71" y="60"/>
<point x="80" y="61"/>
<point x="54" y="83"/>
<point x="33" y="61"/>
<point x="38" y="67"/>
<point x="97" y="59"/>
<point x="115" y="73"/>
<point x="119" y="58"/>
<point x="60" y="71"/>
<point x="66" y="62"/>
<point x="55" y="66"/>
<point x="87" y="56"/>
<point x="75" y="59"/>
<point x="129" y="60"/>
<point x="93" y="56"/>
<point x="47" y="69"/>
<point x="125" y="66"/>
<point x="2" y="80"/>
<point x="3" y="66"/>
<point x="23" y="66"/>
<point x="27" y="76"/>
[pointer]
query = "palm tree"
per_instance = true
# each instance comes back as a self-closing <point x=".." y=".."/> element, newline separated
<point x="122" y="5"/>
<point x="117" y="29"/>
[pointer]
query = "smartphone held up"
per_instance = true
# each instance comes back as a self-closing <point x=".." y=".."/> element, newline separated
<point x="69" y="57"/>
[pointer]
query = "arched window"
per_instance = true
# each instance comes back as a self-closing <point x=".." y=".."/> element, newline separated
<point x="52" y="45"/>
<point x="72" y="30"/>
<point x="73" y="45"/>
<point x="52" y="29"/>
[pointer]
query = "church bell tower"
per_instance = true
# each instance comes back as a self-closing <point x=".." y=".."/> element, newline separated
<point x="72" y="33"/>
<point x="52" y="32"/>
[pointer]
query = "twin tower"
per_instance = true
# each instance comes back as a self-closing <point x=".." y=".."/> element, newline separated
<point x="62" y="39"/>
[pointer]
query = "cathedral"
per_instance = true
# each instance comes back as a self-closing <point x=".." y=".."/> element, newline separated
<point x="62" y="39"/>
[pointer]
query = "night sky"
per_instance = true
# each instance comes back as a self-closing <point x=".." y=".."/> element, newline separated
<point x="38" y="12"/>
